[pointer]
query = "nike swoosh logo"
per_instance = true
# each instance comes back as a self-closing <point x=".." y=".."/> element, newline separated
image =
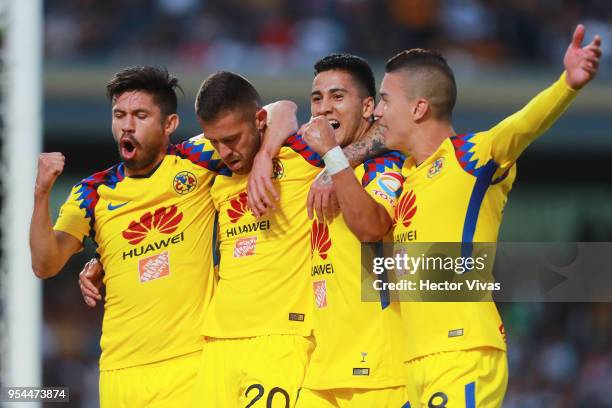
<point x="114" y="207"/>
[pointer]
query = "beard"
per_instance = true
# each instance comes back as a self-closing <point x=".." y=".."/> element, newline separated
<point x="141" y="162"/>
<point x="144" y="157"/>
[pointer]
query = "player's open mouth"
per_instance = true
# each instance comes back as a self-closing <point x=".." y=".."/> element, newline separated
<point x="128" y="149"/>
<point x="334" y="124"/>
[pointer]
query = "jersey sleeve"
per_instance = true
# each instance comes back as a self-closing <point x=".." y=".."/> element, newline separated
<point x="298" y="145"/>
<point x="73" y="217"/>
<point x="382" y="179"/>
<point x="508" y="139"/>
<point x="200" y="152"/>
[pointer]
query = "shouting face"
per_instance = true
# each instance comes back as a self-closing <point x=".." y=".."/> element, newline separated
<point x="141" y="133"/>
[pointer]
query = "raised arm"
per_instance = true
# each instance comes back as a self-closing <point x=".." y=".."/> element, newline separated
<point x="280" y="124"/>
<point x="510" y="137"/>
<point x="49" y="249"/>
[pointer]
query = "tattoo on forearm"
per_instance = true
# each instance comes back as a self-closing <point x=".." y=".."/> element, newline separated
<point x="373" y="144"/>
<point x="325" y="178"/>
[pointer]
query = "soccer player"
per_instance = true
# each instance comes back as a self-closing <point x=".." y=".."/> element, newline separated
<point x="151" y="218"/>
<point x="281" y="121"/>
<point x="455" y="191"/>
<point x="258" y="326"/>
<point x="357" y="359"/>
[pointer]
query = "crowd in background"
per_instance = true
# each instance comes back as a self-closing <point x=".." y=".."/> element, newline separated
<point x="273" y="35"/>
<point x="560" y="355"/>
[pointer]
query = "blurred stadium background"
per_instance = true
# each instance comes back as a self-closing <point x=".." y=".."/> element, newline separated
<point x="503" y="52"/>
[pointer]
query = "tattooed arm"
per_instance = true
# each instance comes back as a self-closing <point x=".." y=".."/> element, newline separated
<point x="322" y="198"/>
<point x="371" y="145"/>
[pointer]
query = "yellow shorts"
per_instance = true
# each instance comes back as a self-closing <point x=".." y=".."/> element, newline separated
<point x="475" y="378"/>
<point x="263" y="371"/>
<point x="166" y="384"/>
<point x="392" y="397"/>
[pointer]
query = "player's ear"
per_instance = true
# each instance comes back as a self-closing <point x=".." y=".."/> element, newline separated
<point x="170" y="124"/>
<point x="367" y="108"/>
<point x="420" y="109"/>
<point x="261" y="117"/>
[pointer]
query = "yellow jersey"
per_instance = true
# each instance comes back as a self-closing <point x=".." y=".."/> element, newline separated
<point x="358" y="343"/>
<point x="154" y="237"/>
<point x="458" y="195"/>
<point x="263" y="270"/>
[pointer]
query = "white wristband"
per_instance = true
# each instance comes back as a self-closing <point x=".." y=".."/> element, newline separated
<point x="335" y="161"/>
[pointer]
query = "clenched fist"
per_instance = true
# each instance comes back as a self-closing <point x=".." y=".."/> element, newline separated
<point x="319" y="135"/>
<point x="50" y="166"/>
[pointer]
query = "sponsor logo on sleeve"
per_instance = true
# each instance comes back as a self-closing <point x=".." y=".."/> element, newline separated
<point x="384" y="196"/>
<point x="390" y="182"/>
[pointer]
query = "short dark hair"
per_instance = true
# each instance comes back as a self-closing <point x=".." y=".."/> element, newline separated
<point x="442" y="83"/>
<point x="352" y="64"/>
<point x="222" y="92"/>
<point x="155" y="81"/>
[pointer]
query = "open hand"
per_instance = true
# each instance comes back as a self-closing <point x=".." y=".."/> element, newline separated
<point x="581" y="63"/>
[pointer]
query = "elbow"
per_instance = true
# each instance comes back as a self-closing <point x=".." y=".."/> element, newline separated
<point x="288" y="106"/>
<point x="39" y="273"/>
<point x="375" y="231"/>
<point x="42" y="272"/>
<point x="291" y="115"/>
<point x="282" y="109"/>
<point x="370" y="235"/>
